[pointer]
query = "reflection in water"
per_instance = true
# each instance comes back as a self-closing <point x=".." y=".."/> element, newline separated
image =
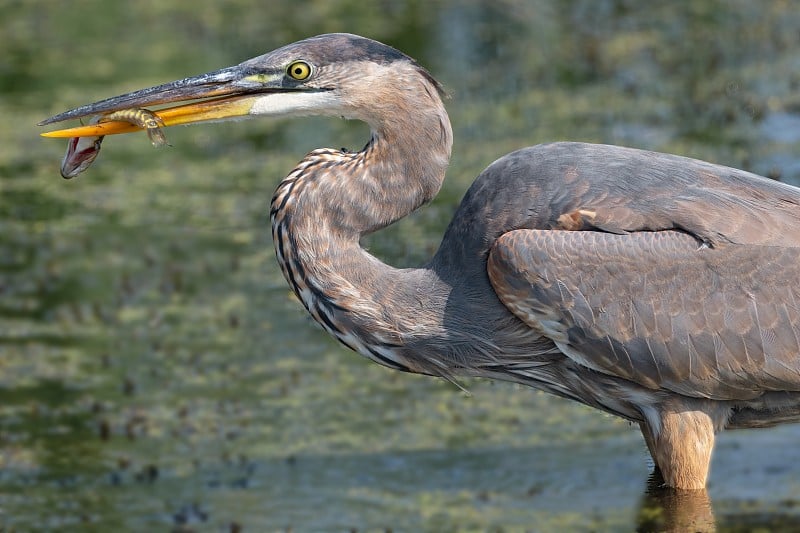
<point x="670" y="510"/>
<point x="676" y="511"/>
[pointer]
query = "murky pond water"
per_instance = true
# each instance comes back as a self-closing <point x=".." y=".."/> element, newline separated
<point x="156" y="373"/>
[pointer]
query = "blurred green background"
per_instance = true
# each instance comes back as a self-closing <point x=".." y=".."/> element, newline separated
<point x="156" y="374"/>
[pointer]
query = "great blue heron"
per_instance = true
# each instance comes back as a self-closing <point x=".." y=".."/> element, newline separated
<point x="654" y="287"/>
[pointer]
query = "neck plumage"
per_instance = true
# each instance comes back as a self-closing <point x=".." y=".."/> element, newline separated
<point x="332" y="198"/>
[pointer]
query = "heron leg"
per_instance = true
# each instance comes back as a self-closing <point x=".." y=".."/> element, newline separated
<point x="681" y="444"/>
<point x="651" y="446"/>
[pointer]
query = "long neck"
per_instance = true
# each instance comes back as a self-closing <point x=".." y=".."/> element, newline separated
<point x="332" y="198"/>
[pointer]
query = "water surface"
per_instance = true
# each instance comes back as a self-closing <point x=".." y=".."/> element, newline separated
<point x="157" y="374"/>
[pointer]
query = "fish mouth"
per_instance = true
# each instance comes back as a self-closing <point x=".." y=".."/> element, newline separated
<point x="81" y="153"/>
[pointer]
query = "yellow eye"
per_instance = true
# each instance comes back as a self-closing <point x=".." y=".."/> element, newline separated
<point x="299" y="70"/>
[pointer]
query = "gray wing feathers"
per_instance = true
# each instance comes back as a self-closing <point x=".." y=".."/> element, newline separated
<point x="621" y="190"/>
<point x="658" y="308"/>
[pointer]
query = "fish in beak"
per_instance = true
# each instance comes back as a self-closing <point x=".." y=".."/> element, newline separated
<point x="223" y="94"/>
<point x="275" y="84"/>
<point x="82" y="151"/>
<point x="220" y="95"/>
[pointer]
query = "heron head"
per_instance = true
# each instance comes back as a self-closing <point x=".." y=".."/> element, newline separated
<point x="334" y="74"/>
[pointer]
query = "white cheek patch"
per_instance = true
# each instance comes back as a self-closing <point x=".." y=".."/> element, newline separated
<point x="297" y="103"/>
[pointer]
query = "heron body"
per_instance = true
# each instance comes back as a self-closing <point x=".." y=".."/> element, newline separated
<point x="657" y="288"/>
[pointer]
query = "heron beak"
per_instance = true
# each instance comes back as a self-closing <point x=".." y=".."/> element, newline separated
<point x="219" y="95"/>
